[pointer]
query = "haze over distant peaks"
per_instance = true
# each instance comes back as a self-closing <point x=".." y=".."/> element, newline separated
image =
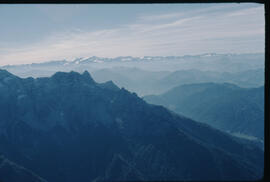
<point x="95" y="59"/>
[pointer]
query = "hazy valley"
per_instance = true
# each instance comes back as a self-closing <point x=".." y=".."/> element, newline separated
<point x="67" y="126"/>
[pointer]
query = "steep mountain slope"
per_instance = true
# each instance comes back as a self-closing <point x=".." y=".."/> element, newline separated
<point x="224" y="106"/>
<point x="11" y="172"/>
<point x="70" y="128"/>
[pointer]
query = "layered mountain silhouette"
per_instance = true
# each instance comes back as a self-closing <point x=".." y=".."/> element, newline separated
<point x="248" y="78"/>
<point x="224" y="106"/>
<point x="156" y="75"/>
<point x="145" y="82"/>
<point x="69" y="128"/>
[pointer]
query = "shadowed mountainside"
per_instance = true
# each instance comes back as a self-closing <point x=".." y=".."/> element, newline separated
<point x="224" y="106"/>
<point x="69" y="128"/>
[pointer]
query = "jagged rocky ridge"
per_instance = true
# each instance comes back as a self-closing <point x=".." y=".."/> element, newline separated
<point x="69" y="128"/>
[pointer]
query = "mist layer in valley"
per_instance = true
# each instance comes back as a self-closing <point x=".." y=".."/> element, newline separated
<point x="149" y="116"/>
<point x="230" y="85"/>
<point x="155" y="75"/>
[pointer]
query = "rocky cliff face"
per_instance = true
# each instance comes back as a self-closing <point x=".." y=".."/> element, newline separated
<point x="69" y="128"/>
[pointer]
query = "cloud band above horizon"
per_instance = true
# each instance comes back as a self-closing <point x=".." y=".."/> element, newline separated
<point x="219" y="28"/>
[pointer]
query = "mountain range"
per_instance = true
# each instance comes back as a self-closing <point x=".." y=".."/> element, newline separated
<point x="204" y="62"/>
<point x="155" y="75"/>
<point x="68" y="127"/>
<point x="223" y="106"/>
<point x="145" y="82"/>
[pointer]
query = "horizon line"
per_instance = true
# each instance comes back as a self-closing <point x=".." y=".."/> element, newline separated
<point x="140" y="57"/>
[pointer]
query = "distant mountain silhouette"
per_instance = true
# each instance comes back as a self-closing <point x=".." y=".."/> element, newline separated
<point x="156" y="75"/>
<point x="247" y="78"/>
<point x="69" y="128"/>
<point x="224" y="106"/>
<point x="146" y="82"/>
<point x="133" y="79"/>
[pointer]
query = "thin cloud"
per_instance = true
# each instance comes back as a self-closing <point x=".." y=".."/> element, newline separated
<point x="194" y="34"/>
<point x="183" y="13"/>
<point x="246" y="12"/>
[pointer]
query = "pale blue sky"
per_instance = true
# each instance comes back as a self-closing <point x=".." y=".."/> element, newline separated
<point x="38" y="33"/>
